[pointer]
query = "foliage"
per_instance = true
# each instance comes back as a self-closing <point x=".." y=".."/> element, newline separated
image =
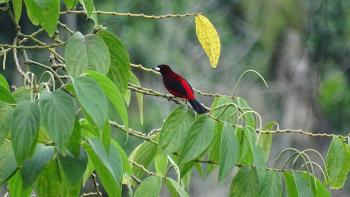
<point x="57" y="133"/>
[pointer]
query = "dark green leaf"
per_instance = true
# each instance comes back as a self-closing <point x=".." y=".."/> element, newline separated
<point x="124" y="157"/>
<point x="224" y="109"/>
<point x="106" y="135"/>
<point x="214" y="148"/>
<point x="17" y="8"/>
<point x="149" y="187"/>
<point x="7" y="161"/>
<point x="75" y="139"/>
<point x="198" y="139"/>
<point x="245" y="183"/>
<point x="108" y="166"/>
<point x="319" y="190"/>
<point x="45" y="13"/>
<point x="139" y="96"/>
<point x="272" y="184"/>
<point x="58" y="114"/>
<point x="92" y="99"/>
<point x="22" y="94"/>
<point x="120" y="61"/>
<point x="5" y="120"/>
<point x="73" y="167"/>
<point x="32" y="168"/>
<point x="6" y="96"/>
<point x="86" y="52"/>
<point x="249" y="118"/>
<point x="175" y="188"/>
<point x="112" y="93"/>
<point x="338" y="163"/>
<point x="25" y="129"/>
<point x="229" y="151"/>
<point x="175" y="129"/>
<point x="16" y="188"/>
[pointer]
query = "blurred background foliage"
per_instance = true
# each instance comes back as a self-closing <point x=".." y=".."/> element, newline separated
<point x="301" y="47"/>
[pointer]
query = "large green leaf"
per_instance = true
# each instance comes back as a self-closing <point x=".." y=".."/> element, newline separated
<point x="16" y="187"/>
<point x="3" y="82"/>
<point x="265" y="140"/>
<point x="296" y="185"/>
<point x="58" y="116"/>
<point x="45" y="13"/>
<point x="86" y="52"/>
<point x="144" y="155"/>
<point x="120" y="61"/>
<point x="75" y="139"/>
<point x="249" y="118"/>
<point x="24" y="129"/>
<point x="73" y="167"/>
<point x="139" y="96"/>
<point x="5" y="120"/>
<point x="175" y="129"/>
<point x="198" y="139"/>
<point x="224" y="109"/>
<point x="338" y="163"/>
<point x="32" y="168"/>
<point x="229" y="151"/>
<point x="245" y="183"/>
<point x="7" y="161"/>
<point x="92" y="99"/>
<point x="319" y="190"/>
<point x="112" y="93"/>
<point x="124" y="157"/>
<point x="108" y="166"/>
<point x="271" y="185"/>
<point x="17" y="8"/>
<point x="161" y="163"/>
<point x="214" y="148"/>
<point x="6" y="96"/>
<point x="149" y="187"/>
<point x="175" y="188"/>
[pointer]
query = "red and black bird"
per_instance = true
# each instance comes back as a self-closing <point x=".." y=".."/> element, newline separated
<point x="178" y="86"/>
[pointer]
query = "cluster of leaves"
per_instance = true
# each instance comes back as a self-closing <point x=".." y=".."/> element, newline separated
<point x="52" y="140"/>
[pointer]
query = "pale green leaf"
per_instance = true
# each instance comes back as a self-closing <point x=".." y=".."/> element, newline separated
<point x="150" y="187"/>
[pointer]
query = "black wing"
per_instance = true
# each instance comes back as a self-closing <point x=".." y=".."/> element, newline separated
<point x="175" y="86"/>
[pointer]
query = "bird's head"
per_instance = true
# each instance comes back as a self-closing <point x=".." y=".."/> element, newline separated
<point x="163" y="68"/>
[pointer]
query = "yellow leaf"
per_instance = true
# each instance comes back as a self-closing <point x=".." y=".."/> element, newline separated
<point x="209" y="39"/>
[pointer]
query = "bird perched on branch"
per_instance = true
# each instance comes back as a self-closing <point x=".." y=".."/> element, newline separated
<point x="178" y="86"/>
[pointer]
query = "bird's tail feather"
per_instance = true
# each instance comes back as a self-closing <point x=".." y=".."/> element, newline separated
<point x="199" y="108"/>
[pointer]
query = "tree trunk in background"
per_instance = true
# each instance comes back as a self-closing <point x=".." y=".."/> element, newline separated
<point x="296" y="87"/>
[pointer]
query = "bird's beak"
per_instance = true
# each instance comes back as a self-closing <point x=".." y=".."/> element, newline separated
<point x="156" y="68"/>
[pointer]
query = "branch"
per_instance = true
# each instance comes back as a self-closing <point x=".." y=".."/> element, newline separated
<point x="141" y="15"/>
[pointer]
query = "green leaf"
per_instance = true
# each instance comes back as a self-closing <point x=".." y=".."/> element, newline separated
<point x="16" y="188"/>
<point x="338" y="163"/>
<point x="175" y="188"/>
<point x="229" y="151"/>
<point x="144" y="155"/>
<point x="6" y="96"/>
<point x="58" y="116"/>
<point x="75" y="139"/>
<point x="4" y="83"/>
<point x="92" y="99"/>
<point x="25" y="129"/>
<point x="214" y="148"/>
<point x="175" y="129"/>
<point x="4" y="1"/>
<point x="198" y="139"/>
<point x="124" y="157"/>
<point x="139" y="96"/>
<point x="245" y="183"/>
<point x="149" y="187"/>
<point x="32" y="168"/>
<point x="265" y="140"/>
<point x="249" y="118"/>
<point x="272" y="184"/>
<point x="7" y="161"/>
<point x="161" y="163"/>
<point x="108" y="166"/>
<point x="224" y="109"/>
<point x="22" y="94"/>
<point x="5" y="120"/>
<point x="296" y="185"/>
<point x="106" y="136"/>
<point x="45" y="13"/>
<point x="17" y="7"/>
<point x="69" y="3"/>
<point x="120" y="61"/>
<point x="88" y="6"/>
<point x="319" y="190"/>
<point x="112" y="93"/>
<point x="73" y="167"/>
<point x="49" y="182"/>
<point x="86" y="52"/>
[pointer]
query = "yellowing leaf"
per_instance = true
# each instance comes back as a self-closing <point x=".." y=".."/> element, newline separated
<point x="209" y="39"/>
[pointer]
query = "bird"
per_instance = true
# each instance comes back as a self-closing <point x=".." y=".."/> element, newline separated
<point x="179" y="87"/>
